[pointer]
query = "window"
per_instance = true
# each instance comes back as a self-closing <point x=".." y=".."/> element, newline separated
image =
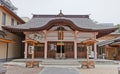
<point x="119" y="51"/>
<point x="39" y="47"/>
<point x="69" y="46"/>
<point x="52" y="46"/>
<point x="18" y="23"/>
<point x="1" y="36"/>
<point x="81" y="47"/>
<point x="3" y="18"/>
<point x="12" y="21"/>
<point x="60" y="35"/>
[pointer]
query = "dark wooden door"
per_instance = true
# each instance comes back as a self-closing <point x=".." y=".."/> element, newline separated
<point x="51" y="51"/>
<point x="39" y="50"/>
<point x="81" y="51"/>
<point x="69" y="49"/>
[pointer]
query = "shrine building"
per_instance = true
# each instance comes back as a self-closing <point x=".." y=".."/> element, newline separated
<point x="59" y="36"/>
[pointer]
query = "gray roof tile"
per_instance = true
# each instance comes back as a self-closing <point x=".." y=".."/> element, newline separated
<point x="80" y="22"/>
<point x="108" y="41"/>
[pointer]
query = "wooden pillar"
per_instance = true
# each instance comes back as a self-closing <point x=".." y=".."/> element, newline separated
<point x="75" y="50"/>
<point x="33" y="54"/>
<point x="75" y="44"/>
<point x="95" y="51"/>
<point x="45" y="46"/>
<point x="45" y="50"/>
<point x="87" y="53"/>
<point x="25" y="52"/>
<point x="7" y="52"/>
<point x="95" y="46"/>
<point x="116" y="50"/>
<point x="106" y="52"/>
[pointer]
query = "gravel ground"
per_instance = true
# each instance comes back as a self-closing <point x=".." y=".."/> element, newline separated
<point x="100" y="70"/>
<point x="22" y="70"/>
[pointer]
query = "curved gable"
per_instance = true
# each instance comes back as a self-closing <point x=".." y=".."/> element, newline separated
<point x="61" y="22"/>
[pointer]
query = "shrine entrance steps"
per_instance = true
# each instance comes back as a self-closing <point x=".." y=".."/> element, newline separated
<point x="74" y="62"/>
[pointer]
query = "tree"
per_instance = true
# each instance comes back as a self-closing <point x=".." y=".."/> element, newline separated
<point x="118" y="25"/>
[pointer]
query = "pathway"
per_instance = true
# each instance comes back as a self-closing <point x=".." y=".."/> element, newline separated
<point x="59" y="70"/>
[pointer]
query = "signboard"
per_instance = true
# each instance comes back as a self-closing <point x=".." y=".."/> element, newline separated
<point x="36" y="36"/>
<point x="31" y="49"/>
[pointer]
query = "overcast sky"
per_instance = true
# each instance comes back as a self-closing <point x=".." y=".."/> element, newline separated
<point x="102" y="11"/>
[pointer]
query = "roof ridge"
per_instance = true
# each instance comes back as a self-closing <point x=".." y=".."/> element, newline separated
<point x="68" y="16"/>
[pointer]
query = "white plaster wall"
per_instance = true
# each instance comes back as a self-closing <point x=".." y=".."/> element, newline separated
<point x="52" y="34"/>
<point x="3" y="50"/>
<point x="69" y="34"/>
<point x="85" y="35"/>
<point x="14" y="49"/>
<point x="52" y="38"/>
<point x="8" y="17"/>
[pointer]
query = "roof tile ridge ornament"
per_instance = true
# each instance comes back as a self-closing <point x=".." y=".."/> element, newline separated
<point x="60" y="14"/>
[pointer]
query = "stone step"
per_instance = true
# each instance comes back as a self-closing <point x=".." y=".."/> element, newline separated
<point x="67" y="61"/>
<point x="110" y="62"/>
<point x="60" y="62"/>
<point x="105" y="62"/>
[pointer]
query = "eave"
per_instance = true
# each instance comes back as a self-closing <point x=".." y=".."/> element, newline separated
<point x="101" y="32"/>
<point x="64" y="22"/>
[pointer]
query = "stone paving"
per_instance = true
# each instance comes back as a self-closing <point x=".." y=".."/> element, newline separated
<point x="58" y="70"/>
<point x="19" y="68"/>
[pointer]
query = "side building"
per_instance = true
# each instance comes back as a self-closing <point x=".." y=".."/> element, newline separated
<point x="109" y="45"/>
<point x="10" y="44"/>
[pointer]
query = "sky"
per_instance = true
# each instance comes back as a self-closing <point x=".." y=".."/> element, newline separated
<point x="102" y="11"/>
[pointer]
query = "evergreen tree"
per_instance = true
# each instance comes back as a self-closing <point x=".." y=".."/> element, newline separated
<point x="118" y="25"/>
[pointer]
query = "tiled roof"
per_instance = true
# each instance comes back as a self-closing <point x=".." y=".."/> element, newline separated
<point x="2" y="33"/>
<point x="78" y="20"/>
<point x="8" y="4"/>
<point x="108" y="41"/>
